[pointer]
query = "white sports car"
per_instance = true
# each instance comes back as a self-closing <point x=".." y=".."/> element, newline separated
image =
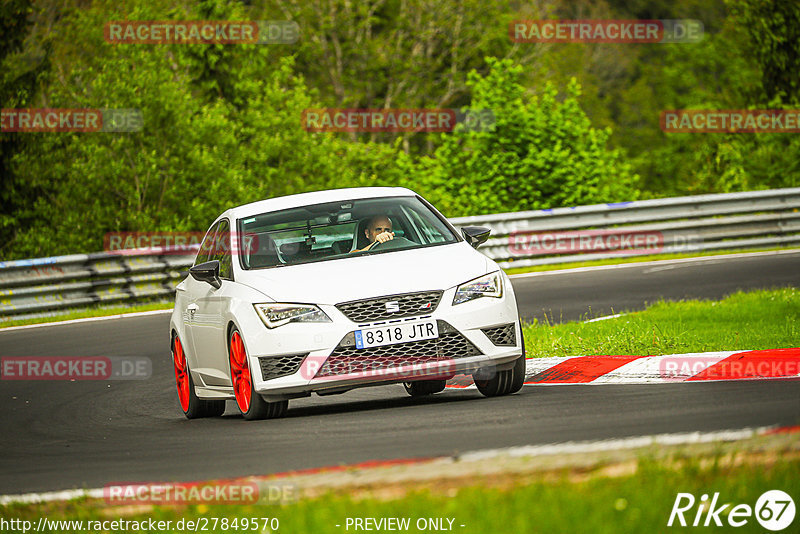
<point x="334" y="290"/>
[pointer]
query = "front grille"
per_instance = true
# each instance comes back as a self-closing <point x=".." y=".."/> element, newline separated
<point x="505" y="335"/>
<point x="346" y="358"/>
<point x="278" y="366"/>
<point x="409" y="304"/>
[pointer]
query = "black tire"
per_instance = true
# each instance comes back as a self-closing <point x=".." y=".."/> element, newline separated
<point x="504" y="382"/>
<point x="519" y="371"/>
<point x="421" y="388"/>
<point x="258" y="408"/>
<point x="261" y="409"/>
<point x="499" y="384"/>
<point x="198" y="408"/>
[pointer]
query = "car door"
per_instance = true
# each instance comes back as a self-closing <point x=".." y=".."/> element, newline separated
<point x="188" y="291"/>
<point x="209" y="329"/>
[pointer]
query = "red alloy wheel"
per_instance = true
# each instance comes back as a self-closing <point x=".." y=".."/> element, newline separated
<point x="240" y="373"/>
<point x="181" y="374"/>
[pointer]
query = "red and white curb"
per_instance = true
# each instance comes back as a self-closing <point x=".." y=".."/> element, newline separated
<point x="342" y="474"/>
<point x="692" y="367"/>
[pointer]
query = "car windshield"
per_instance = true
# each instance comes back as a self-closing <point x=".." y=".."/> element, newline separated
<point x="338" y="229"/>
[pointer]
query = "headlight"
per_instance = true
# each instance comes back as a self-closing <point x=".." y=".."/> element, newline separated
<point x="489" y="285"/>
<point x="278" y="314"/>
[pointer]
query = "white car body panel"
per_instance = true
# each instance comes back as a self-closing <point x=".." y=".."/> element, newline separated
<point x="359" y="277"/>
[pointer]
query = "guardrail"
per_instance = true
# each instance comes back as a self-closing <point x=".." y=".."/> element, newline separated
<point x="80" y="280"/>
<point x="756" y="219"/>
<point x="685" y="224"/>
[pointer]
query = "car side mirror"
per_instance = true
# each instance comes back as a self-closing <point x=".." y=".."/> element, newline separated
<point x="476" y="235"/>
<point x="207" y="272"/>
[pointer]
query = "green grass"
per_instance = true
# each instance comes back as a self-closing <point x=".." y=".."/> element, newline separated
<point x="85" y="313"/>
<point x="551" y="502"/>
<point x="753" y="320"/>
<point x="635" y="259"/>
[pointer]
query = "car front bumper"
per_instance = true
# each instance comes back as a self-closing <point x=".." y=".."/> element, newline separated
<point x="315" y="343"/>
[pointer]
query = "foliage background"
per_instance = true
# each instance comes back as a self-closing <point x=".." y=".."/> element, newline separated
<point x="576" y="123"/>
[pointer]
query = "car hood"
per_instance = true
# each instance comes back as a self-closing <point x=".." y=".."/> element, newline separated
<point x="341" y="280"/>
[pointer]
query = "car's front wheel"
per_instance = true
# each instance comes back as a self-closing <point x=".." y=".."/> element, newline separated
<point x="193" y="407"/>
<point x="248" y="401"/>
<point x="421" y="388"/>
<point x="504" y="382"/>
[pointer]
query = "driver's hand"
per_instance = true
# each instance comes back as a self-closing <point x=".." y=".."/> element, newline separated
<point x="383" y="237"/>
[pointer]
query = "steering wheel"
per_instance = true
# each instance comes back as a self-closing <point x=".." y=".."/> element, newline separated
<point x="397" y="242"/>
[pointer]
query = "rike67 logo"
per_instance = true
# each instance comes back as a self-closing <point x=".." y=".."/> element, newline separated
<point x="774" y="510"/>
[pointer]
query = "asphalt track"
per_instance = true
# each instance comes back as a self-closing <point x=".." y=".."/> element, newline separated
<point x="84" y="434"/>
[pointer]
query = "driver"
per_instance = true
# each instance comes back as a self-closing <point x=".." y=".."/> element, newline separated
<point x="378" y="230"/>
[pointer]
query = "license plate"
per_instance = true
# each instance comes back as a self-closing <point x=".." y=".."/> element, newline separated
<point x="395" y="333"/>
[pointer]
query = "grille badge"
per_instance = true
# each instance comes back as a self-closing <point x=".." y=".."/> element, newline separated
<point x="374" y="309"/>
<point x="392" y="306"/>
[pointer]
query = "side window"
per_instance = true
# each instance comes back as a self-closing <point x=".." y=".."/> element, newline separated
<point x="222" y="250"/>
<point x="207" y="246"/>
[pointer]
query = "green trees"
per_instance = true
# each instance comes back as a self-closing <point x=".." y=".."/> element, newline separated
<point x="575" y="123"/>
<point x="21" y="70"/>
<point x="542" y="152"/>
<point x="198" y="153"/>
<point x="774" y="43"/>
<point x="749" y="60"/>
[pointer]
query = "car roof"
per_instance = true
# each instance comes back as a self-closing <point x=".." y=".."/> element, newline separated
<point x="315" y="197"/>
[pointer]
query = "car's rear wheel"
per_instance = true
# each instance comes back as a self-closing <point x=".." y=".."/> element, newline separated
<point x="421" y="388"/>
<point x="504" y="382"/>
<point x="193" y="407"/>
<point x="250" y="403"/>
